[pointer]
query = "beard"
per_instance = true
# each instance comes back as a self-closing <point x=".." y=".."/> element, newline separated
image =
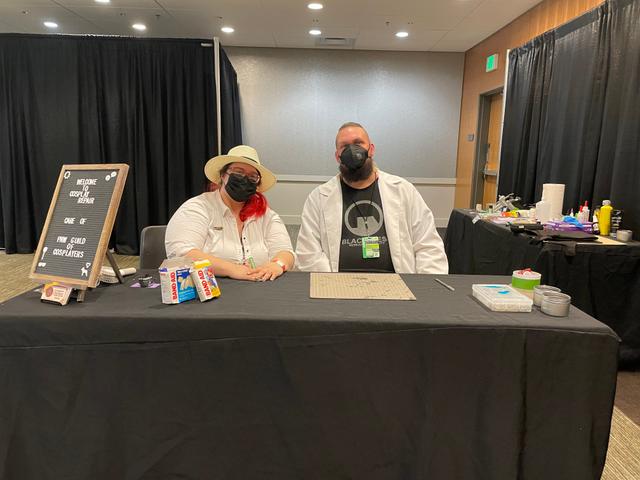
<point x="358" y="175"/>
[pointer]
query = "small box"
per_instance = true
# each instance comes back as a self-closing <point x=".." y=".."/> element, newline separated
<point x="175" y="281"/>
<point x="205" y="280"/>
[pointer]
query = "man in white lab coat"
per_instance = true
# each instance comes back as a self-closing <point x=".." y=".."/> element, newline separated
<point x="366" y="220"/>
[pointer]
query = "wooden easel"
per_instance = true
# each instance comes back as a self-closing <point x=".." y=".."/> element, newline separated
<point x="93" y="269"/>
<point x="112" y="261"/>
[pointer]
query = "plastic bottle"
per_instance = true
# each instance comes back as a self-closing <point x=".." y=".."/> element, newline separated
<point x="585" y="212"/>
<point x="604" y="220"/>
<point x="596" y="219"/>
<point x="543" y="211"/>
<point x="616" y="222"/>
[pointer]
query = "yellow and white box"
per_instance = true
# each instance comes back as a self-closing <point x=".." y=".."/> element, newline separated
<point x="204" y="280"/>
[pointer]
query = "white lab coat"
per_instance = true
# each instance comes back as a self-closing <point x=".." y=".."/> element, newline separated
<point x="414" y="242"/>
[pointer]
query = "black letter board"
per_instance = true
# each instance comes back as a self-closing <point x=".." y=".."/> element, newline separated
<point x="75" y="236"/>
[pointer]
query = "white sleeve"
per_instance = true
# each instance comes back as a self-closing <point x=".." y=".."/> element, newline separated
<point x="310" y="256"/>
<point x="276" y="237"/>
<point x="187" y="229"/>
<point x="427" y="244"/>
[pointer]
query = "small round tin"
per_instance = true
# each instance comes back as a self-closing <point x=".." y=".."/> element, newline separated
<point x="539" y="291"/>
<point x="624" y="235"/>
<point x="555" y="304"/>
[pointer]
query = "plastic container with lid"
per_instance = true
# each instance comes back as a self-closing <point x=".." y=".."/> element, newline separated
<point x="501" y="298"/>
<point x="525" y="279"/>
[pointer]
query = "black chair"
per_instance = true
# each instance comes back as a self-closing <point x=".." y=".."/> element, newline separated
<point x="293" y="230"/>
<point x="152" y="251"/>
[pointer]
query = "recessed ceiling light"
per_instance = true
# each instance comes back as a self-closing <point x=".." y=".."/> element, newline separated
<point x="228" y="29"/>
<point x="402" y="34"/>
<point x="141" y="27"/>
<point x="51" y="24"/>
<point x="315" y="31"/>
<point x="315" y="6"/>
<point x="103" y="1"/>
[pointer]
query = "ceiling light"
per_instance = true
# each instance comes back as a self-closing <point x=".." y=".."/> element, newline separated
<point x="402" y="34"/>
<point x="141" y="27"/>
<point x="228" y="29"/>
<point x="51" y="24"/>
<point x="315" y="6"/>
<point x="315" y="31"/>
<point x="103" y="1"/>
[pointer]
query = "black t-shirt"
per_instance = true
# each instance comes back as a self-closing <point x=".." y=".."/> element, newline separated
<point x="362" y="216"/>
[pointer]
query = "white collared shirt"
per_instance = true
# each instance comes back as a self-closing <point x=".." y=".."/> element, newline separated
<point x="206" y="223"/>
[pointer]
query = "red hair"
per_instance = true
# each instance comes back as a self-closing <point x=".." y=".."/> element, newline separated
<point x="256" y="206"/>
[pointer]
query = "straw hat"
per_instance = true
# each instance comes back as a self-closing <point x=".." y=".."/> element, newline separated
<point x="240" y="154"/>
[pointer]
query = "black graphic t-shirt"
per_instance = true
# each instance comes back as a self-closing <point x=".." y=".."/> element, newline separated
<point x="362" y="217"/>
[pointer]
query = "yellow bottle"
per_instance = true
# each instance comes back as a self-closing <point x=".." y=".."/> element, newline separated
<point x="605" y="217"/>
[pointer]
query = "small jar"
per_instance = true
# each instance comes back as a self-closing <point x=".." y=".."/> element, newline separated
<point x="539" y="291"/>
<point x="525" y="279"/>
<point x="555" y="304"/>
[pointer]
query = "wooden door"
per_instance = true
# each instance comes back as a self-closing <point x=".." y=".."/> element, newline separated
<point x="492" y="161"/>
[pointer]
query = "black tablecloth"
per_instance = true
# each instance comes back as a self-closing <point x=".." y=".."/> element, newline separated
<point x="267" y="383"/>
<point x="603" y="280"/>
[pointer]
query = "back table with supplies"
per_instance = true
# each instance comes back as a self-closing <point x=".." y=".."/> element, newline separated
<point x="603" y="278"/>
<point x="265" y="382"/>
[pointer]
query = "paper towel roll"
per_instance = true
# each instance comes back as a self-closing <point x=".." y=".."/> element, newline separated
<point x="554" y="194"/>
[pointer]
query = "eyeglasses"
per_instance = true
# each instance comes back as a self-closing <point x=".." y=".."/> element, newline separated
<point x="252" y="177"/>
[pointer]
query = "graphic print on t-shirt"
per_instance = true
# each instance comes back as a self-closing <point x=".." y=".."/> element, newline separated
<point x="363" y="226"/>
<point x="362" y="216"/>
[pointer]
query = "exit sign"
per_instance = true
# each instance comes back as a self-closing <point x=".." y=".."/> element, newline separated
<point x="492" y="63"/>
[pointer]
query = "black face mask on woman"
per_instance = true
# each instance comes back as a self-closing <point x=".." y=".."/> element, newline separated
<point x="353" y="156"/>
<point x="239" y="187"/>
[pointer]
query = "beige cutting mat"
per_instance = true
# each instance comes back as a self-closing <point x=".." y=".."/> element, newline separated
<point x="359" y="286"/>
<point x="608" y="241"/>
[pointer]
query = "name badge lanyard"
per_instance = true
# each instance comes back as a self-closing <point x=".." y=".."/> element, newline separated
<point x="370" y="245"/>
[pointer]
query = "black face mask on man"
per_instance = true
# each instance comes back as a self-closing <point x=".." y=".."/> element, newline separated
<point x="353" y="156"/>
<point x="239" y="187"/>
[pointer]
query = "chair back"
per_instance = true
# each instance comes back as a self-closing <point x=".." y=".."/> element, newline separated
<point x="152" y="251"/>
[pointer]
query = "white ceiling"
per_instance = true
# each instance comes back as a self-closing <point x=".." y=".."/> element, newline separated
<point x="433" y="25"/>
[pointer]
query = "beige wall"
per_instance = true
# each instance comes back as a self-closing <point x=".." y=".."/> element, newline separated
<point x="289" y="195"/>
<point x="545" y="16"/>
<point x="293" y="100"/>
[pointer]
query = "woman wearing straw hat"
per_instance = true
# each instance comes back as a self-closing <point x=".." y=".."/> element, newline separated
<point x="233" y="227"/>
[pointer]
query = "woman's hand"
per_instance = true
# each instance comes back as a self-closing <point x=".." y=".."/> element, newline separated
<point x="267" y="271"/>
<point x="242" y="272"/>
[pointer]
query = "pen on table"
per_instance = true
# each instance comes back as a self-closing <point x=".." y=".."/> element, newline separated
<point x="448" y="287"/>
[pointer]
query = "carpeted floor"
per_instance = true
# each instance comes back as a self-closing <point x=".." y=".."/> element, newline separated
<point x="623" y="457"/>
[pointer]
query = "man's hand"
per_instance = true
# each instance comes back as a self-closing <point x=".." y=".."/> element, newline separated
<point x="267" y="271"/>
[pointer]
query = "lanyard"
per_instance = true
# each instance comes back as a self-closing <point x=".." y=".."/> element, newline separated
<point x="365" y="217"/>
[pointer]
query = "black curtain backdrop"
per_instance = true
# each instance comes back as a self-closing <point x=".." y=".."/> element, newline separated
<point x="229" y="104"/>
<point x="149" y="103"/>
<point x="572" y="112"/>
